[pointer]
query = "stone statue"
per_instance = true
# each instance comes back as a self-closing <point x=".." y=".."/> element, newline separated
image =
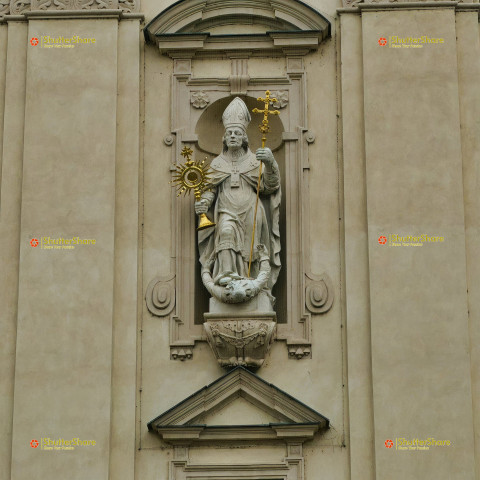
<point x="230" y="203"/>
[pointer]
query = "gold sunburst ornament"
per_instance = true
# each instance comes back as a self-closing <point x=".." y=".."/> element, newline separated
<point x="192" y="176"/>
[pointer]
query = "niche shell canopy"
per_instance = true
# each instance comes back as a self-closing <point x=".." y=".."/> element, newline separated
<point x="212" y="27"/>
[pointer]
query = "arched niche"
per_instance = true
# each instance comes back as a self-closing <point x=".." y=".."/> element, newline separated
<point x="210" y="124"/>
<point x="192" y="29"/>
<point x="209" y="130"/>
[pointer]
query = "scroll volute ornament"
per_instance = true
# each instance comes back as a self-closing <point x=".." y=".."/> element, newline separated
<point x="318" y="293"/>
<point x="160" y="295"/>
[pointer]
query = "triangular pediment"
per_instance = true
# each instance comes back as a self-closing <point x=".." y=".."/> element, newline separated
<point x="239" y="411"/>
<point x="207" y="26"/>
<point x="238" y="406"/>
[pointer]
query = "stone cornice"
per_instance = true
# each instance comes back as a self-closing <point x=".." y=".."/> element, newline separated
<point x="199" y="26"/>
<point x="203" y="44"/>
<point x="355" y="6"/>
<point x="235" y="433"/>
<point x="67" y="7"/>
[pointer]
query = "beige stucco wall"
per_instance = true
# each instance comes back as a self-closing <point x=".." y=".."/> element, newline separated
<point x="468" y="46"/>
<point x="70" y="168"/>
<point x="13" y="78"/>
<point x="65" y="297"/>
<point x="420" y="360"/>
<point x="356" y="291"/>
<point x="395" y="151"/>
<point x="413" y="184"/>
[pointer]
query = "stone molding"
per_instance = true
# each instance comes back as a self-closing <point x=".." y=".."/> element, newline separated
<point x="297" y="331"/>
<point x="410" y="4"/>
<point x="184" y="424"/>
<point x="289" y="469"/>
<point x="189" y="26"/>
<point x="22" y="7"/>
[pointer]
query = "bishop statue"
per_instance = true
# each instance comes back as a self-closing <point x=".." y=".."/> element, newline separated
<point x="240" y="257"/>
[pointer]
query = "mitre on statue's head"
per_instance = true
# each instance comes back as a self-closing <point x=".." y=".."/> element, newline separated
<point x="236" y="115"/>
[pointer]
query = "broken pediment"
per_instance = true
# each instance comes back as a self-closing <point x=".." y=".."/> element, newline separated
<point x="213" y="26"/>
<point x="238" y="406"/>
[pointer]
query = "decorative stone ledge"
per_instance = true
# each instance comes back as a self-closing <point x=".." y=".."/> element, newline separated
<point x="195" y="26"/>
<point x="66" y="7"/>
<point x="355" y="6"/>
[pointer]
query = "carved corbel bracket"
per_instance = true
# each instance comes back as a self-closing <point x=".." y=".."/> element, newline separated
<point x="299" y="351"/>
<point x="318" y="293"/>
<point x="160" y="295"/>
<point x="239" y="78"/>
<point x="240" y="341"/>
<point x="181" y="354"/>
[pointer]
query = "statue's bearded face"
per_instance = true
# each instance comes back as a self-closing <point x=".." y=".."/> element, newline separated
<point x="235" y="138"/>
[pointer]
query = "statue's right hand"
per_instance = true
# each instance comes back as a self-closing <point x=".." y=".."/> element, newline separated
<point x="201" y="207"/>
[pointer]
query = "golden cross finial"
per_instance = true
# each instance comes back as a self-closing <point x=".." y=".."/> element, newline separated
<point x="264" y="127"/>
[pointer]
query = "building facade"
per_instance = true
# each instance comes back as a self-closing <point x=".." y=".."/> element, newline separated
<point x="110" y="367"/>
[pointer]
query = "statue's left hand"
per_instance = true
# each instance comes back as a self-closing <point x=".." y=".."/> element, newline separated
<point x="265" y="155"/>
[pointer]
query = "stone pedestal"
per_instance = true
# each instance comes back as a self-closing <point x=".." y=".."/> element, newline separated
<point x="241" y="334"/>
<point x="261" y="303"/>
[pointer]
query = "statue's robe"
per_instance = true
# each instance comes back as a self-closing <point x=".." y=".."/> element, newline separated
<point x="234" y="187"/>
